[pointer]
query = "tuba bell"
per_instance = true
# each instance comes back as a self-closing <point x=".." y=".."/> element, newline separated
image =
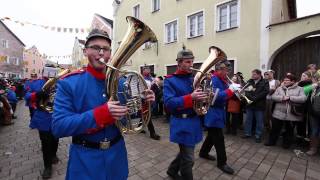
<point x="132" y="93"/>
<point x="202" y="81"/>
<point x="50" y="88"/>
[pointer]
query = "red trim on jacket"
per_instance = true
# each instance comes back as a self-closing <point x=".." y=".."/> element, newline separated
<point x="33" y="100"/>
<point x="73" y="73"/>
<point x="229" y="93"/>
<point x="102" y="116"/>
<point x="95" y="73"/>
<point x="187" y="101"/>
<point x="222" y="78"/>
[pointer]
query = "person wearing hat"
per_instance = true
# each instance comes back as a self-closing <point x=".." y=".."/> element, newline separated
<point x="83" y="110"/>
<point x="185" y="125"/>
<point x="41" y="120"/>
<point x="215" y="118"/>
<point x="31" y="83"/>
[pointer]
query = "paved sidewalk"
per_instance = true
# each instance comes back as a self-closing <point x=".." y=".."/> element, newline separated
<point x="21" y="158"/>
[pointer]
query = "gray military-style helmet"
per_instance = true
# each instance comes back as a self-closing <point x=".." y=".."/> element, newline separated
<point x="184" y="54"/>
<point x="223" y="64"/>
<point x="98" y="33"/>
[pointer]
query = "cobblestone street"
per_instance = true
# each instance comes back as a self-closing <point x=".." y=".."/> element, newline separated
<point x="21" y="158"/>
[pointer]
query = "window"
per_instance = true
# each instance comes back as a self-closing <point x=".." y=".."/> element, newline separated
<point x="227" y="17"/>
<point x="147" y="45"/>
<point x="232" y="67"/>
<point x="171" y="30"/>
<point x="26" y="70"/>
<point x="5" y="43"/>
<point x="195" y="25"/>
<point x="17" y="61"/>
<point x="34" y="61"/>
<point x="172" y="68"/>
<point x="136" y="11"/>
<point x="155" y="5"/>
<point x="8" y="59"/>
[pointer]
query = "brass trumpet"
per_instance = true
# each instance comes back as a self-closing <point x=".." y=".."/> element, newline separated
<point x="239" y="93"/>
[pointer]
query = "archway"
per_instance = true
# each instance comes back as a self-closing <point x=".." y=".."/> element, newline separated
<point x="295" y="55"/>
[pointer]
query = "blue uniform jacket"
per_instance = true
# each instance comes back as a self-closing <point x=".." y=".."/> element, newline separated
<point x="79" y="107"/>
<point x="12" y="98"/>
<point x="216" y="115"/>
<point x="40" y="120"/>
<point x="177" y="99"/>
<point x="33" y="86"/>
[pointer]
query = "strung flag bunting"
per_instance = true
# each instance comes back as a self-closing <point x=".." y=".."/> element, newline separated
<point x="52" y="28"/>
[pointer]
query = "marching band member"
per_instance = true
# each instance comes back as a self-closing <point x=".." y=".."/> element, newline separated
<point x="82" y="110"/>
<point x="27" y="86"/>
<point x="216" y="117"/>
<point x="41" y="120"/>
<point x="185" y="125"/>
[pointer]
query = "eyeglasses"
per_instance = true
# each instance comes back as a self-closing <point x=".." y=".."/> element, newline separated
<point x="98" y="49"/>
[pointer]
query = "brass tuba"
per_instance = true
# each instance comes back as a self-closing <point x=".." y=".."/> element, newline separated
<point x="50" y="88"/>
<point x="134" y="86"/>
<point x="202" y="81"/>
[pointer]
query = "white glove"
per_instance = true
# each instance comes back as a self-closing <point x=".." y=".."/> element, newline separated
<point x="315" y="85"/>
<point x="234" y="87"/>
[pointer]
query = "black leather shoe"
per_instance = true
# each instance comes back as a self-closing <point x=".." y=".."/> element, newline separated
<point x="245" y="137"/>
<point x="258" y="140"/>
<point x="143" y="131"/>
<point x="174" y="176"/>
<point x="269" y="144"/>
<point x="207" y="156"/>
<point x="47" y="173"/>
<point x="227" y="169"/>
<point x="155" y="136"/>
<point x="55" y="160"/>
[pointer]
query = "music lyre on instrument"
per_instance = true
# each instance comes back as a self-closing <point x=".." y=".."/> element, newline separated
<point x="133" y="92"/>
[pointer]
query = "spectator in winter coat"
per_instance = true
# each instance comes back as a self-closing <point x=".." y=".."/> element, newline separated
<point x="287" y="97"/>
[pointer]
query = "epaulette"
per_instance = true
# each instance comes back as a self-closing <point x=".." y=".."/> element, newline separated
<point x="79" y="71"/>
<point x="169" y="76"/>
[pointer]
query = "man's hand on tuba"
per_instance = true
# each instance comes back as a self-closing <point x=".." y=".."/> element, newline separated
<point x="199" y="95"/>
<point x="116" y="110"/>
<point x="149" y="95"/>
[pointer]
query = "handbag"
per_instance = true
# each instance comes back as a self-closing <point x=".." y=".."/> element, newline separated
<point x="297" y="109"/>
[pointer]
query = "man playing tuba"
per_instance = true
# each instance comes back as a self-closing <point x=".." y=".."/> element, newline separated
<point x="41" y="120"/>
<point x="185" y="125"/>
<point x="82" y="110"/>
<point x="216" y="116"/>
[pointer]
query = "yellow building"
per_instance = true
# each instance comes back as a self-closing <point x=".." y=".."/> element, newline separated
<point x="251" y="32"/>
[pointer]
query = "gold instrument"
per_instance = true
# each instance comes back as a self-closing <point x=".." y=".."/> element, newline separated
<point x="133" y="91"/>
<point x="201" y="80"/>
<point x="239" y="93"/>
<point x="50" y="88"/>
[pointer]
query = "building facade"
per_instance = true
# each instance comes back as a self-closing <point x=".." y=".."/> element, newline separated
<point x="98" y="22"/>
<point x="78" y="58"/>
<point x="34" y="62"/>
<point x="242" y="28"/>
<point x="11" y="53"/>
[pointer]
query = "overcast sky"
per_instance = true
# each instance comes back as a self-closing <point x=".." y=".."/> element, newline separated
<point x="73" y="13"/>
